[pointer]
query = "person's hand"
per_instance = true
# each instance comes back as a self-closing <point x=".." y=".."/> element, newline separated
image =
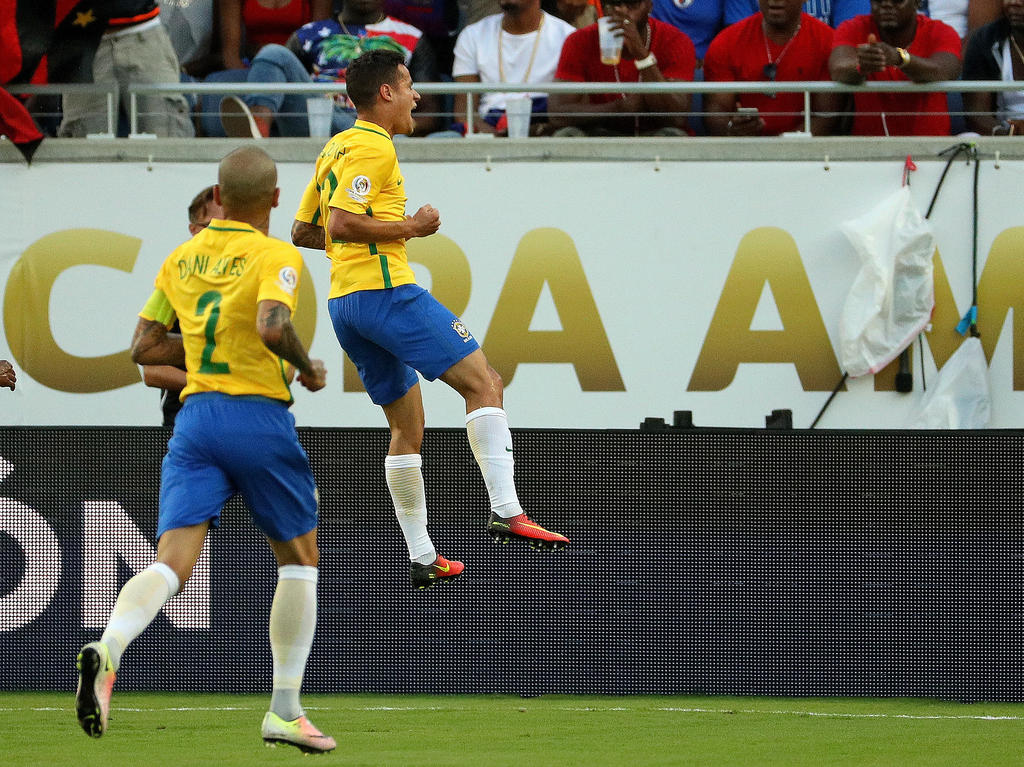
<point x="7" y="375"/>
<point x="744" y="124"/>
<point x="425" y="221"/>
<point x="317" y="379"/>
<point x="874" y="56"/>
<point x="632" y="41"/>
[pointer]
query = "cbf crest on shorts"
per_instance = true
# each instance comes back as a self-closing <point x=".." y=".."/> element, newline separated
<point x="358" y="190"/>
<point x="462" y="330"/>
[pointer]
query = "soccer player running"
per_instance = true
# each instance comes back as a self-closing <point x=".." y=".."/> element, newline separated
<point x="233" y="290"/>
<point x="390" y="327"/>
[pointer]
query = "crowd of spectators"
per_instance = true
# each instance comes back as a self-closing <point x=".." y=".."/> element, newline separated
<point x="543" y="41"/>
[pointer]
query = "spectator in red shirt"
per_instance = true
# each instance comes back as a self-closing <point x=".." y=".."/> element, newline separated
<point x="779" y="43"/>
<point x="652" y="52"/>
<point x="892" y="44"/>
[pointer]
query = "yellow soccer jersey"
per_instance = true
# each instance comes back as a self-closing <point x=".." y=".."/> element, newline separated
<point x="212" y="284"/>
<point x="357" y="171"/>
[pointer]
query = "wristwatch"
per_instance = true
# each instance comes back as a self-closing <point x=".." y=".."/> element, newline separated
<point x="645" y="63"/>
<point x="904" y="55"/>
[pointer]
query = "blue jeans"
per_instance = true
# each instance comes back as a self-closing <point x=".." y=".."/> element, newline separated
<point x="277" y="64"/>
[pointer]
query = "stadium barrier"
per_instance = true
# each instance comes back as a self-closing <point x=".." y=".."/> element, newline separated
<point x="474" y="90"/>
<point x="720" y="561"/>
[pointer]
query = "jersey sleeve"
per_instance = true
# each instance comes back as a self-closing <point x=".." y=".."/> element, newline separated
<point x="851" y="33"/>
<point x="158" y="309"/>
<point x="946" y="39"/>
<point x="570" y="63"/>
<point x="279" y="278"/>
<point x="682" y="59"/>
<point x="363" y="173"/>
<point x="716" y="60"/>
<point x="466" y="54"/>
<point x="309" y="205"/>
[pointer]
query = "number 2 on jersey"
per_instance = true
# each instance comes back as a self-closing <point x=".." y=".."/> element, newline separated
<point x="211" y="299"/>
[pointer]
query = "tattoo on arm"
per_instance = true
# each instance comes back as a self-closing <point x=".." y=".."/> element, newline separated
<point x="306" y="235"/>
<point x="153" y="345"/>
<point x="275" y="325"/>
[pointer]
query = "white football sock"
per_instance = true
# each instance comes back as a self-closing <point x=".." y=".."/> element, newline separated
<point x="491" y="442"/>
<point x="405" y="483"/>
<point x="292" y="623"/>
<point x="136" y="607"/>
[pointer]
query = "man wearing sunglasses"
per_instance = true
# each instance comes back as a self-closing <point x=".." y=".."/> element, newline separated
<point x="779" y="43"/>
<point x="652" y="52"/>
<point x="896" y="43"/>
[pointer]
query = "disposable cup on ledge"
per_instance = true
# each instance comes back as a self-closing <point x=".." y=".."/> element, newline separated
<point x="320" y="110"/>
<point x="610" y="41"/>
<point x="517" y="114"/>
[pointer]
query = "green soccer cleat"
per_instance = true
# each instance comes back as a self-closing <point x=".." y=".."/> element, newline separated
<point x="96" y="677"/>
<point x="299" y="733"/>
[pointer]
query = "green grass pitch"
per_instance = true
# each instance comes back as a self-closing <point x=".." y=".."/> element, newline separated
<point x="179" y="730"/>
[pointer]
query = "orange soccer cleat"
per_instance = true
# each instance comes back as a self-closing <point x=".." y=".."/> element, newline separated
<point x="522" y="528"/>
<point x="441" y="571"/>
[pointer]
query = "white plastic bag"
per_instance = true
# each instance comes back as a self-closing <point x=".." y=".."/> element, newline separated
<point x="892" y="297"/>
<point x="960" y="399"/>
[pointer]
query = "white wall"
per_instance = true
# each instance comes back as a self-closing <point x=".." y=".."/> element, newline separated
<point x="655" y="242"/>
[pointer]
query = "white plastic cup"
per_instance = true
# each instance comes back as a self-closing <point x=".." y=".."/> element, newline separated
<point x="320" y="111"/>
<point x="610" y="41"/>
<point x="518" y="110"/>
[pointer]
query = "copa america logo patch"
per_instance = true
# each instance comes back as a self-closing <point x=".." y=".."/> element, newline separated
<point x="462" y="330"/>
<point x="359" y="188"/>
<point x="288" y="279"/>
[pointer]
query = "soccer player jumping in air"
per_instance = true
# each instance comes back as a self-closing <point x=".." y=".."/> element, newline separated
<point x="390" y="327"/>
<point x="233" y="290"/>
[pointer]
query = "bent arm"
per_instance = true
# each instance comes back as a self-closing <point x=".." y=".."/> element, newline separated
<point x="274" y="324"/>
<point x="565" y="109"/>
<point x="937" y="67"/>
<point x="306" y="235"/>
<point x="353" y="227"/>
<point x="231" y="33"/>
<point x="720" y="108"/>
<point x="163" y="377"/>
<point x="844" y="67"/>
<point x="825" y="109"/>
<point x="153" y="345"/>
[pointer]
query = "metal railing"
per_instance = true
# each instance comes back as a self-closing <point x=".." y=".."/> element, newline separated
<point x="475" y="89"/>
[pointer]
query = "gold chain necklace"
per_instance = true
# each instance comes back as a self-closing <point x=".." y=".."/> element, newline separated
<point x="347" y="32"/>
<point x="533" y="53"/>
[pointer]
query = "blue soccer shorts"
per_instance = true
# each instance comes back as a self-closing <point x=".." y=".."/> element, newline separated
<point x="389" y="334"/>
<point x="224" y="445"/>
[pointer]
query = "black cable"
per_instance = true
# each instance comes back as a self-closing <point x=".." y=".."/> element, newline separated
<point x="829" y="400"/>
<point x="974" y="247"/>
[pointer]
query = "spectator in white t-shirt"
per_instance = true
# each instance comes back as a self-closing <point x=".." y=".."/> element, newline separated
<point x="521" y="44"/>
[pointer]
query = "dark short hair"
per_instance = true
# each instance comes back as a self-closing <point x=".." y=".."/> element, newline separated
<point x="367" y="73"/>
<point x="198" y="204"/>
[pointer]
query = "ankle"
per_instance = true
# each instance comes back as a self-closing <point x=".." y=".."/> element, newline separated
<point x="264" y="118"/>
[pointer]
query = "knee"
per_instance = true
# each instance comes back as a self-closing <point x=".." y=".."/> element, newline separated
<point x="407" y="438"/>
<point x="273" y="53"/>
